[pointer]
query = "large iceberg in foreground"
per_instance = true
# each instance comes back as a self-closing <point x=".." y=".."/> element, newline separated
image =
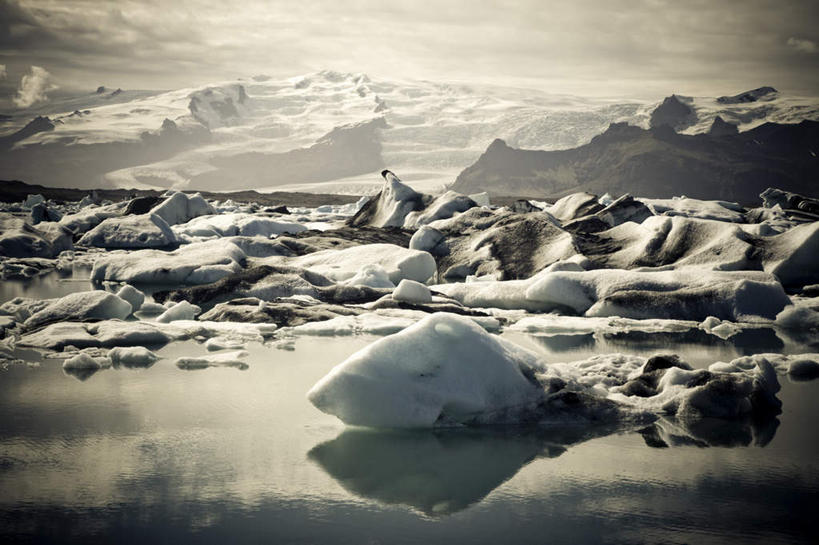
<point x="447" y="371"/>
<point x="443" y="369"/>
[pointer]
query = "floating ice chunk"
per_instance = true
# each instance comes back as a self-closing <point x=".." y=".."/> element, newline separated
<point x="556" y="324"/>
<point x="149" y="308"/>
<point x="797" y="317"/>
<point x="379" y="322"/>
<point x="86" y="305"/>
<point x="374" y="276"/>
<point x="224" y="343"/>
<point x="108" y="334"/>
<point x="238" y="224"/>
<point x="444" y="369"/>
<point x="90" y="217"/>
<point x="804" y="369"/>
<point x="426" y="239"/>
<point x="245" y="332"/>
<point x="791" y="256"/>
<point x="181" y="208"/>
<point x="411" y="291"/>
<point x="443" y="207"/>
<point x="85" y="361"/>
<point x="197" y="263"/>
<point x="32" y="200"/>
<point x="723" y="330"/>
<point x="132" y="295"/>
<point x="20" y="239"/>
<point x="694" y="208"/>
<point x="132" y="356"/>
<point x="481" y="199"/>
<point x="142" y="231"/>
<point x="688" y="295"/>
<point x="391" y="206"/>
<point x="180" y="311"/>
<point x="341" y="265"/>
<point x="223" y="359"/>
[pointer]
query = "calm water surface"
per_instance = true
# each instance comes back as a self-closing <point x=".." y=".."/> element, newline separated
<point x="224" y="455"/>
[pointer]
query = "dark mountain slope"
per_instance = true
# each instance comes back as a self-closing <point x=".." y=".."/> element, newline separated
<point x="657" y="163"/>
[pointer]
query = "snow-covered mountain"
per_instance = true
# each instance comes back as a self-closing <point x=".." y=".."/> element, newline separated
<point x="327" y="132"/>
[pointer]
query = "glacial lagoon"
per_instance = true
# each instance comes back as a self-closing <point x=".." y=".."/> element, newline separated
<point x="161" y="454"/>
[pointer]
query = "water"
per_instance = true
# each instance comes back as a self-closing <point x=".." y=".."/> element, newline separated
<point x="223" y="455"/>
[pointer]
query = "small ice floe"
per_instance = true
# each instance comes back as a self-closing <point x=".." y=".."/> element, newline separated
<point x="86" y="305"/>
<point x="343" y="265"/>
<point x="412" y="292"/>
<point x="82" y="366"/>
<point x="196" y="263"/>
<point x="135" y="297"/>
<point x="720" y="328"/>
<point x="237" y="224"/>
<point x="179" y="311"/>
<point x="224" y="343"/>
<point x="222" y="359"/>
<point x="132" y="356"/>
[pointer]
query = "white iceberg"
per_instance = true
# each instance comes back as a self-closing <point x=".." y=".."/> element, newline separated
<point x="443" y="369"/>
<point x="181" y="208"/>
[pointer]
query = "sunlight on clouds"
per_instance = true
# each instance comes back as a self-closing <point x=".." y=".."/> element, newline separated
<point x="33" y="88"/>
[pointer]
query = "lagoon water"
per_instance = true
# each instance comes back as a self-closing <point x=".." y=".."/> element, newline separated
<point x="221" y="455"/>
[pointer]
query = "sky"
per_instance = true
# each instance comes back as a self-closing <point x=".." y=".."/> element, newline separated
<point x="616" y="48"/>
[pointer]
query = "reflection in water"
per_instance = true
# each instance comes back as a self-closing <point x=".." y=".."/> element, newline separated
<point x="440" y="472"/>
<point x="566" y="343"/>
<point x="711" y="432"/>
<point x="81" y="374"/>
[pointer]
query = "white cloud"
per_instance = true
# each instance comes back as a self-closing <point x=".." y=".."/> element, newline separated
<point x="805" y="46"/>
<point x="3" y="72"/>
<point x="33" y="88"/>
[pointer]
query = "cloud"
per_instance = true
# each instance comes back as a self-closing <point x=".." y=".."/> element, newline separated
<point x="649" y="47"/>
<point x="804" y="46"/>
<point x="33" y="88"/>
<point x="3" y="72"/>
